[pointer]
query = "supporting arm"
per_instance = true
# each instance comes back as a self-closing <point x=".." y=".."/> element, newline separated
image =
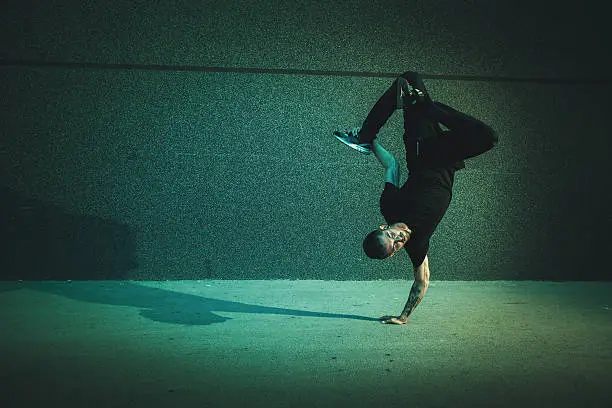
<point x="419" y="288"/>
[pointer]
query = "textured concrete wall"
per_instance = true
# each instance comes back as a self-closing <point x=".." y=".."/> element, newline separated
<point x="141" y="140"/>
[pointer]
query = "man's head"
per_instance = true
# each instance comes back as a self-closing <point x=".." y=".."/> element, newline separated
<point x="386" y="241"/>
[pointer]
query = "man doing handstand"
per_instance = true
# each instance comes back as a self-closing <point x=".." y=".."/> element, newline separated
<point x="433" y="155"/>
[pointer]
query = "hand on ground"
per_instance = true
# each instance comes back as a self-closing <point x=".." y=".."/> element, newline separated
<point x="392" y="320"/>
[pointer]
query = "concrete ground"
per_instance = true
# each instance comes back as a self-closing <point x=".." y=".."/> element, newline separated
<point x="304" y="344"/>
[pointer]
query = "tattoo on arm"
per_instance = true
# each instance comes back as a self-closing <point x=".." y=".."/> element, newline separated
<point x="416" y="295"/>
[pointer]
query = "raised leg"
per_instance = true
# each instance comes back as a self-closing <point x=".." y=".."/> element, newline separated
<point x="395" y="98"/>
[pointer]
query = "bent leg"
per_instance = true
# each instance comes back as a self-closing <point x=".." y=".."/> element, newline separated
<point x="468" y="136"/>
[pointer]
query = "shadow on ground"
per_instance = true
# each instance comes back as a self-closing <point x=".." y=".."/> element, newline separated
<point x="166" y="306"/>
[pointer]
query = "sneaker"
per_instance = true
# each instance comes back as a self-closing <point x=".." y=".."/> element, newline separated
<point x="407" y="94"/>
<point x="350" y="138"/>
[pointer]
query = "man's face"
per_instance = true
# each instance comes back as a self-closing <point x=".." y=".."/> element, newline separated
<point x="395" y="236"/>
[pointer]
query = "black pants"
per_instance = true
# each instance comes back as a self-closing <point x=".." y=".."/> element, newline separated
<point x="425" y="140"/>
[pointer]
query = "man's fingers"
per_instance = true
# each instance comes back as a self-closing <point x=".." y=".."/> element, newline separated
<point x="387" y="320"/>
<point x="395" y="320"/>
<point x="391" y="320"/>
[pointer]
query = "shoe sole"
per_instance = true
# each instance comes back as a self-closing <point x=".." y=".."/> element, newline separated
<point x="360" y="149"/>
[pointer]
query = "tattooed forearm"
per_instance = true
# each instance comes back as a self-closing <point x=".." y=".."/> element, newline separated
<point x="416" y="295"/>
